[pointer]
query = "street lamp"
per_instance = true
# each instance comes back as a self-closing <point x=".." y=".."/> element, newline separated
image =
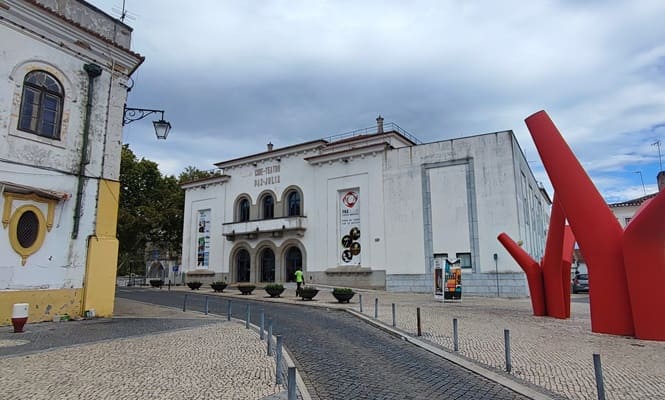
<point x="162" y="127"/>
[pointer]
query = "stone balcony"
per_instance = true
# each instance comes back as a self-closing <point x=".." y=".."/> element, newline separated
<point x="263" y="228"/>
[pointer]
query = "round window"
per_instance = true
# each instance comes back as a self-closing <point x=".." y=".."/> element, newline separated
<point x="27" y="230"/>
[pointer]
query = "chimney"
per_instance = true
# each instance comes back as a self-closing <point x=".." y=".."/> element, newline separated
<point x="379" y="124"/>
<point x="661" y="180"/>
<point x="269" y="146"/>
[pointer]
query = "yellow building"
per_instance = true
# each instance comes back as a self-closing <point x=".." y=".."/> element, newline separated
<point x="63" y="85"/>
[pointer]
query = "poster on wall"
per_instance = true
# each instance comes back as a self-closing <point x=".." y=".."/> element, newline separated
<point x="203" y="239"/>
<point x="349" y="227"/>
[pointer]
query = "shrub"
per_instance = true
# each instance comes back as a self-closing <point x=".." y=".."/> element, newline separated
<point x="274" y="286"/>
<point x="342" y="290"/>
<point x="246" y="288"/>
<point x="156" y="282"/>
<point x="218" y="286"/>
<point x="194" y="285"/>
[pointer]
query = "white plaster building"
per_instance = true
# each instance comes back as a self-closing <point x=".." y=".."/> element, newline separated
<point x="63" y="71"/>
<point x="372" y="208"/>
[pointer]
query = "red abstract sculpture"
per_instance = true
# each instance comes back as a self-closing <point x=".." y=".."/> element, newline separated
<point x="621" y="303"/>
<point x="596" y="229"/>
<point x="644" y="257"/>
<point x="549" y="282"/>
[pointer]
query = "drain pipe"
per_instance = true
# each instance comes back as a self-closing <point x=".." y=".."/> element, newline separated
<point x="93" y="71"/>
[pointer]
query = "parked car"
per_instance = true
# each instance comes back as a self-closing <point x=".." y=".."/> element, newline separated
<point x="581" y="283"/>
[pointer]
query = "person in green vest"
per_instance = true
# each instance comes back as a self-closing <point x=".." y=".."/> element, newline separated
<point x="299" y="281"/>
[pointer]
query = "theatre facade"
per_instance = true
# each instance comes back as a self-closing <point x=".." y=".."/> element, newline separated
<point x="374" y="208"/>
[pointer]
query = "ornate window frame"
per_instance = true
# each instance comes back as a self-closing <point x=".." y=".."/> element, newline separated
<point x="11" y="220"/>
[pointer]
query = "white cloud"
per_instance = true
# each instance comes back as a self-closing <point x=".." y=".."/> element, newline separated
<point x="234" y="74"/>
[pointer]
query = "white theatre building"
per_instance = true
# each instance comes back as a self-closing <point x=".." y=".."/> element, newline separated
<point x="372" y="208"/>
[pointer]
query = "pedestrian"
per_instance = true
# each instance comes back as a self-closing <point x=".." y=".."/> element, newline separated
<point x="299" y="281"/>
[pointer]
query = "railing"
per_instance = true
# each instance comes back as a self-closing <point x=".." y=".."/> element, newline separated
<point x="387" y="127"/>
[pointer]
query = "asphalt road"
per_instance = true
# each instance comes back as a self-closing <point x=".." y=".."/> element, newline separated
<point x="341" y="357"/>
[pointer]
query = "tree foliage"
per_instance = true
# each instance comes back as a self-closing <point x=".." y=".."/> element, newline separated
<point x="151" y="209"/>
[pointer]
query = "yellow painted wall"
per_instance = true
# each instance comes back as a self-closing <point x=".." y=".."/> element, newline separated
<point x="101" y="266"/>
<point x="44" y="304"/>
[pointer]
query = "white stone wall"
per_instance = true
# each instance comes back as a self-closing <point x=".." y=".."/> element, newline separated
<point x="464" y="189"/>
<point x="33" y="39"/>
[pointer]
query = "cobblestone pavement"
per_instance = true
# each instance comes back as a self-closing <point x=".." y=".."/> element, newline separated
<point x="556" y="355"/>
<point x="203" y="359"/>
<point x="342" y="357"/>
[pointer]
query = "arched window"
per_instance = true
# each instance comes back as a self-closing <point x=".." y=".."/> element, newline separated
<point x="293" y="203"/>
<point x="242" y="266"/>
<point x="292" y="262"/>
<point x="41" y="105"/>
<point x="243" y="210"/>
<point x="267" y="266"/>
<point x="268" y="207"/>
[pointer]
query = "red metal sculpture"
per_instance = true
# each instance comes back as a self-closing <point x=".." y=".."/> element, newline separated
<point x="596" y="229"/>
<point x="549" y="281"/>
<point x="621" y="303"/>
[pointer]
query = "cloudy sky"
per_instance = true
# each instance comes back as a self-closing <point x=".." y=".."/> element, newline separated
<point x="234" y="75"/>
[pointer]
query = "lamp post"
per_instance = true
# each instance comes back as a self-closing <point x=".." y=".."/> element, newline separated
<point x="642" y="179"/>
<point x="162" y="127"/>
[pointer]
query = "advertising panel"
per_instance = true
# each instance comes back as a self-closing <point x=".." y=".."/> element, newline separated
<point x="203" y="240"/>
<point x="453" y="278"/>
<point x="439" y="262"/>
<point x="349" y="227"/>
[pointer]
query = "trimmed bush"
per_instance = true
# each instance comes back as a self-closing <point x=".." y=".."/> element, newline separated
<point x="308" y="292"/>
<point x="246" y="288"/>
<point x="156" y="283"/>
<point x="218" y="286"/>
<point x="274" y="289"/>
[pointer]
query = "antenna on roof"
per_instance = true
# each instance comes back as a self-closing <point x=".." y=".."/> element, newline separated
<point x="124" y="13"/>
<point x="660" y="160"/>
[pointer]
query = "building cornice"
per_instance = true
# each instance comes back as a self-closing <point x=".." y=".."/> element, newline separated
<point x="272" y="154"/>
<point x="347" y="155"/>
<point x="30" y="17"/>
<point x="203" y="183"/>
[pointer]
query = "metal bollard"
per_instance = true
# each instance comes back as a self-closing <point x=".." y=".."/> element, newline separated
<point x="206" y="306"/>
<point x="247" y="318"/>
<point x="598" y="369"/>
<point x="455" y="337"/>
<point x="376" y="307"/>
<point x="360" y="300"/>
<point x="506" y="339"/>
<point x="262" y="319"/>
<point x="228" y="310"/>
<point x="278" y="360"/>
<point x="269" y="338"/>
<point x="394" y="320"/>
<point x="420" y="331"/>
<point x="291" y="383"/>
<point x="169" y="285"/>
<point x="184" y="304"/>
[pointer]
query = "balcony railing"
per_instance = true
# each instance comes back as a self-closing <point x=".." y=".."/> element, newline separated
<point x="387" y="127"/>
<point x="274" y="227"/>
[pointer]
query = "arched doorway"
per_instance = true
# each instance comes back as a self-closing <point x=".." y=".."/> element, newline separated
<point x="292" y="262"/>
<point x="267" y="259"/>
<point x="242" y="266"/>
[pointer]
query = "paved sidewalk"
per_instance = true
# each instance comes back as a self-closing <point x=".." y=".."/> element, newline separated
<point x="207" y="359"/>
<point x="553" y="354"/>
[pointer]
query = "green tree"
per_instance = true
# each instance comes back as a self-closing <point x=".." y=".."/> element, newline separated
<point x="194" y="174"/>
<point x="151" y="210"/>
